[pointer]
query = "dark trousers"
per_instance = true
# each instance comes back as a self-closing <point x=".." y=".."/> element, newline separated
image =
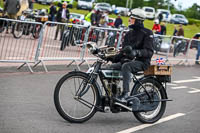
<point x="127" y="69"/>
<point x="60" y="28"/>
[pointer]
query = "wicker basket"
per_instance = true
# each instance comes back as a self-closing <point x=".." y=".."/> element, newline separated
<point x="158" y="70"/>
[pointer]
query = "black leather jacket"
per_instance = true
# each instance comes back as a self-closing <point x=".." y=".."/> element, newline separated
<point x="59" y="14"/>
<point x="140" y="40"/>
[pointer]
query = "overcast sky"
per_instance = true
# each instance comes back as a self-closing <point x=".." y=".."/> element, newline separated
<point x="185" y="3"/>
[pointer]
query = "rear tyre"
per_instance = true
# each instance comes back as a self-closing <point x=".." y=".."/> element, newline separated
<point x="72" y="102"/>
<point x="152" y="86"/>
<point x="36" y="31"/>
<point x="18" y="29"/>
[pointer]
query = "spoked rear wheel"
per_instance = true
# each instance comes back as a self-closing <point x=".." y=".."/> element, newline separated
<point x="155" y="88"/>
<point x="72" y="102"/>
<point x="18" y="29"/>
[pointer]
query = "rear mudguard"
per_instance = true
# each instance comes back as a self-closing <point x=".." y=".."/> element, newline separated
<point x="153" y="78"/>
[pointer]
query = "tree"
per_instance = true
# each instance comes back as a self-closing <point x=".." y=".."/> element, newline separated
<point x="193" y="12"/>
<point x="138" y="3"/>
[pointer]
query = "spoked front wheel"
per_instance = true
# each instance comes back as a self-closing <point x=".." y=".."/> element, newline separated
<point x="75" y="100"/>
<point x="157" y="91"/>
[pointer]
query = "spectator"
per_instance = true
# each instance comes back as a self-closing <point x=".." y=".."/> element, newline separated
<point x="160" y="17"/>
<point x="163" y="29"/>
<point x="175" y="30"/>
<point x="104" y="20"/>
<point x="88" y="16"/>
<point x="63" y="17"/>
<point x="198" y="52"/>
<point x="180" y="31"/>
<point x="30" y="3"/>
<point x="98" y="17"/>
<point x="197" y="43"/>
<point x="118" y="21"/>
<point x="12" y="7"/>
<point x="93" y="17"/>
<point x="52" y="12"/>
<point x="156" y="27"/>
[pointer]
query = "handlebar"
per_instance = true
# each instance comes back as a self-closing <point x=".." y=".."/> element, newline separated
<point x="101" y="52"/>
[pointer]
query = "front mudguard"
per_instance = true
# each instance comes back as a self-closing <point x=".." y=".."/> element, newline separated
<point x="96" y="85"/>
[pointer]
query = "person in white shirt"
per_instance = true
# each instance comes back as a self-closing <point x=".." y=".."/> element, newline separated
<point x="63" y="17"/>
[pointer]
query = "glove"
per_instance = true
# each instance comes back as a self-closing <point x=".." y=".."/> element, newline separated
<point x="126" y="50"/>
<point x="111" y="58"/>
<point x="132" y="54"/>
<point x="117" y="57"/>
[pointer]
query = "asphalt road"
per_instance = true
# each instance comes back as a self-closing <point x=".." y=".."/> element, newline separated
<point x="26" y="106"/>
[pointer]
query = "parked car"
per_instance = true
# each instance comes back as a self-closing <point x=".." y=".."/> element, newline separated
<point x="166" y="14"/>
<point x="45" y="1"/>
<point x="178" y="19"/>
<point x="122" y="10"/>
<point x="194" y="43"/>
<point x="105" y="7"/>
<point x="149" y="12"/>
<point x="76" y="18"/>
<point x="85" y="4"/>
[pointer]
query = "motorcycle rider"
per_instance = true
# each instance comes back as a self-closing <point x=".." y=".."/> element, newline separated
<point x="136" y="53"/>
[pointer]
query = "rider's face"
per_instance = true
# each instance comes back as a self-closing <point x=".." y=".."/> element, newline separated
<point x="131" y="21"/>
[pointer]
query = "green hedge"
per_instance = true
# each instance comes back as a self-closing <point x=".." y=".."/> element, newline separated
<point x="194" y="21"/>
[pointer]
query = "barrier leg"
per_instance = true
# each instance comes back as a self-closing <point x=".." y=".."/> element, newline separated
<point x="81" y="63"/>
<point x="77" y="65"/>
<point x="43" y="64"/>
<point x="70" y="63"/>
<point x="180" y="62"/>
<point x="87" y="63"/>
<point x="29" y="67"/>
<point x="37" y="64"/>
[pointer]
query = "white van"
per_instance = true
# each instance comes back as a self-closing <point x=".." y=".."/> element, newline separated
<point x="45" y="1"/>
<point x="85" y="4"/>
<point x="165" y="13"/>
<point x="149" y="12"/>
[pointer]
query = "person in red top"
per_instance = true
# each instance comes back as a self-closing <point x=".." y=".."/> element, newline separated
<point x="156" y="27"/>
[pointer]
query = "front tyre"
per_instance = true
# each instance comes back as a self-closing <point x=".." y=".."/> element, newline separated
<point x="154" y="86"/>
<point x="70" y="104"/>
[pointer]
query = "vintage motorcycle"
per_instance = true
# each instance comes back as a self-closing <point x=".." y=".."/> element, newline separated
<point x="180" y="47"/>
<point x="23" y="28"/>
<point x="78" y="95"/>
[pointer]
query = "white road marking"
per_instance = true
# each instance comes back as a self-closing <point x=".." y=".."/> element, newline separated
<point x="194" y="90"/>
<point x="171" y="84"/>
<point x="179" y="87"/>
<point x="188" y="80"/>
<point x="140" y="127"/>
<point x="196" y="77"/>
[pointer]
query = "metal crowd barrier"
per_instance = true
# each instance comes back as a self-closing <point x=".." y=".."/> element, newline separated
<point x="193" y="47"/>
<point x="32" y="42"/>
<point x="59" y="42"/>
<point x="161" y="46"/>
<point x="174" y="49"/>
<point x="103" y="37"/>
<point x="18" y="41"/>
